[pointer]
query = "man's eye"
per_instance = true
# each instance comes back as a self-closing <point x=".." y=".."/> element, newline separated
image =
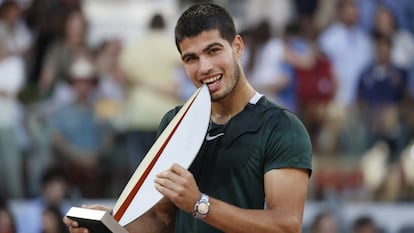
<point x="214" y="50"/>
<point x="189" y="59"/>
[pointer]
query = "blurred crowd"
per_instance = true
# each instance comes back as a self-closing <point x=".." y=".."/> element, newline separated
<point x="88" y="114"/>
<point x="90" y="111"/>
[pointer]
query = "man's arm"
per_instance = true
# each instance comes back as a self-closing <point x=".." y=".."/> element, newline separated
<point x="285" y="190"/>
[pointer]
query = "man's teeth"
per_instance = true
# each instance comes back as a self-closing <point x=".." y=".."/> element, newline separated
<point x="213" y="79"/>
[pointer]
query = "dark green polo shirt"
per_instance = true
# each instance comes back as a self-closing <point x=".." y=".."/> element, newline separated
<point x="234" y="157"/>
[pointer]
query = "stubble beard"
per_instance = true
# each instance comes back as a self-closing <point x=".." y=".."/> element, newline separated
<point x="230" y="90"/>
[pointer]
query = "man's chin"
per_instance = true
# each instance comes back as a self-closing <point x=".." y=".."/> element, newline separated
<point x="217" y="97"/>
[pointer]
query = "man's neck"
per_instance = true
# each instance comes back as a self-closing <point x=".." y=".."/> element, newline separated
<point x="223" y="110"/>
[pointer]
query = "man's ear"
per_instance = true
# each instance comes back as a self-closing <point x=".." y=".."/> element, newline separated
<point x="238" y="46"/>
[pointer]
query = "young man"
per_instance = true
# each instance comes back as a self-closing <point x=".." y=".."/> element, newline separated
<point x="251" y="173"/>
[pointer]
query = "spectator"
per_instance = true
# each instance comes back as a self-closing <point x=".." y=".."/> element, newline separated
<point x="402" y="55"/>
<point x="60" y="30"/>
<point x="81" y="140"/>
<point x="15" y="40"/>
<point x="325" y="222"/>
<point x="382" y="89"/>
<point x="108" y="108"/>
<point x="382" y="92"/>
<point x="151" y="88"/>
<point x="364" y="224"/>
<point x="349" y="49"/>
<point x="15" y="37"/>
<point x="52" y="221"/>
<point x="11" y="82"/>
<point x="46" y="19"/>
<point x="54" y="193"/>
<point x="315" y="83"/>
<point x="55" y="72"/>
<point x="111" y="78"/>
<point x="402" y="51"/>
<point x="263" y="62"/>
<point x="301" y="36"/>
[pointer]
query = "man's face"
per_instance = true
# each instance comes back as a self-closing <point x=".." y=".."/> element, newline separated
<point x="210" y="59"/>
<point x="83" y="88"/>
<point x="384" y="21"/>
<point x="349" y="14"/>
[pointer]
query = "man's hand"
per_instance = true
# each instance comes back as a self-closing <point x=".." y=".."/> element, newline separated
<point x="179" y="186"/>
<point x="74" y="226"/>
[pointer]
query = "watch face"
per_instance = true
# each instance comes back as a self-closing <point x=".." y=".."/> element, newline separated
<point x="203" y="208"/>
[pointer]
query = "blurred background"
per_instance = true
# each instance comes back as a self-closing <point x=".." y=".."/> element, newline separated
<point x="84" y="84"/>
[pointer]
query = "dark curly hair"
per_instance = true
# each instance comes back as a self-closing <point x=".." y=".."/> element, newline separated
<point x="204" y="17"/>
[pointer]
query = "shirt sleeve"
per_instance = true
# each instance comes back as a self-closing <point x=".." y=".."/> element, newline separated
<point x="288" y="144"/>
<point x="166" y="119"/>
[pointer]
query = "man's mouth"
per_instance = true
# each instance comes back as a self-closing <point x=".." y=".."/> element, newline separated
<point x="213" y="80"/>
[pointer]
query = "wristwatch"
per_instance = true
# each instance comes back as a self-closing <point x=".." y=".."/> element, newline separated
<point x="201" y="207"/>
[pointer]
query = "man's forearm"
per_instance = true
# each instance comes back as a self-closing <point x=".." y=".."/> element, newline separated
<point x="229" y="218"/>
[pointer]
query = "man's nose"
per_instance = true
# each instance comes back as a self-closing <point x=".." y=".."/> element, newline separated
<point x="206" y="65"/>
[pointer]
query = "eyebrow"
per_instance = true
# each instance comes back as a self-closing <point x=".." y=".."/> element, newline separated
<point x="208" y="47"/>
<point x="212" y="45"/>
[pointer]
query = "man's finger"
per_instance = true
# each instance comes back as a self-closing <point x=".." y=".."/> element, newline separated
<point x="164" y="190"/>
<point x="169" y="175"/>
<point x="177" y="169"/>
<point x="70" y="222"/>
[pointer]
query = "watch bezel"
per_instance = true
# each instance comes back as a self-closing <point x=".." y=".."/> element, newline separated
<point x="205" y="204"/>
<point x="203" y="207"/>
